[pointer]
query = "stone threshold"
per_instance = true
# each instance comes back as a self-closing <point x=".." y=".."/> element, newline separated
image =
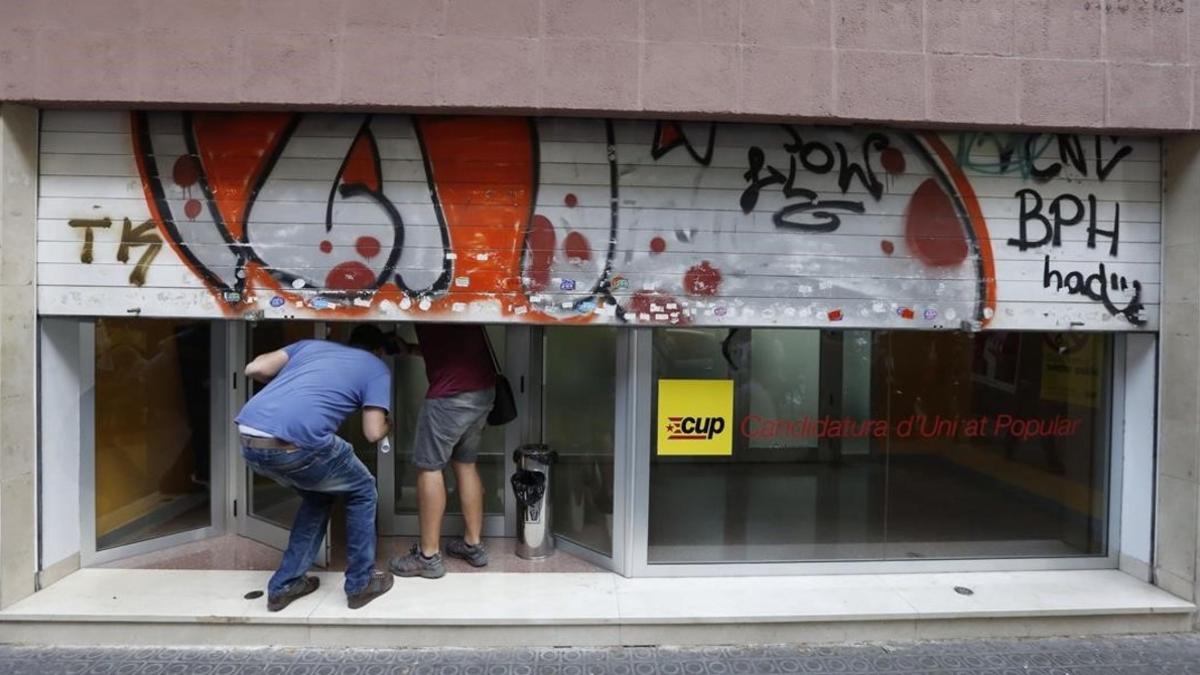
<point x="113" y="606"/>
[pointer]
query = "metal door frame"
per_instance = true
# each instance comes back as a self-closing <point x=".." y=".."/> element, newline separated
<point x="239" y="477"/>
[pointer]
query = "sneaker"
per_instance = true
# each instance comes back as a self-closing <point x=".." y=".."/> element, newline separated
<point x="476" y="556"/>
<point x="379" y="583"/>
<point x="417" y="565"/>
<point x="298" y="589"/>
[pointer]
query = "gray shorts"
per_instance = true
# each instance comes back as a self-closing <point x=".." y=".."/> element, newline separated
<point x="451" y="428"/>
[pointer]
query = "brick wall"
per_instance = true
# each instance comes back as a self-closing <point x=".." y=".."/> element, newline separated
<point x="1121" y="64"/>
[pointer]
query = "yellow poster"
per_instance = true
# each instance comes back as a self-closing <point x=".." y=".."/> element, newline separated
<point x="1071" y="365"/>
<point x="695" y="417"/>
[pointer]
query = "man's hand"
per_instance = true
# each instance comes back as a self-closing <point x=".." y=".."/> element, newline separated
<point x="264" y="368"/>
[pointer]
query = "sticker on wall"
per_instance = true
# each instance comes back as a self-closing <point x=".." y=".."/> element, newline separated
<point x="695" y="417"/>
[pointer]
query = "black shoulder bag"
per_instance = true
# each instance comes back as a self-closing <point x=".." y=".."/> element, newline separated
<point x="504" y="408"/>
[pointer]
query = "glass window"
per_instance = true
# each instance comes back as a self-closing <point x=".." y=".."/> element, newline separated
<point x="152" y="427"/>
<point x="579" y="407"/>
<point x="878" y="445"/>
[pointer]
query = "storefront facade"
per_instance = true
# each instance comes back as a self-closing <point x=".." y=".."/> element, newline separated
<point x="756" y="348"/>
<point x="915" y="293"/>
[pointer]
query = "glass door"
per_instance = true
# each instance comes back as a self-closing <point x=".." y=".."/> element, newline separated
<point x="397" y="476"/>
<point x="580" y="390"/>
<point x="147" y="428"/>
<point x="265" y="509"/>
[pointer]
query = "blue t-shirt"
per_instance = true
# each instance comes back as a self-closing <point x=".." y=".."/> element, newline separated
<point x="317" y="389"/>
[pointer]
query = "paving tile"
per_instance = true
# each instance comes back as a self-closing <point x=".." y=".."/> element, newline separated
<point x="1079" y="656"/>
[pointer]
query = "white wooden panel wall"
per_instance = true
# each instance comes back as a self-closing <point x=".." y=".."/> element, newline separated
<point x="494" y="219"/>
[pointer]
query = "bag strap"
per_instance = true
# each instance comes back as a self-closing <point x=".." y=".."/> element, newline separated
<point x="491" y="352"/>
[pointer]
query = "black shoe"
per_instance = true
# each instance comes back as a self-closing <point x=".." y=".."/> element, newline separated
<point x="298" y="589"/>
<point x="379" y="583"/>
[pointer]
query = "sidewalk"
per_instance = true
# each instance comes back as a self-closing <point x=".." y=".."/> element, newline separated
<point x="1107" y="655"/>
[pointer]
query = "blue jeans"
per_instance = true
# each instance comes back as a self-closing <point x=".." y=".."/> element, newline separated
<point x="320" y="475"/>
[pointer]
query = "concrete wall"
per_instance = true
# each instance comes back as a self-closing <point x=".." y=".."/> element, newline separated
<point x="18" y="352"/>
<point x="1122" y="64"/>
<point x="1178" y="493"/>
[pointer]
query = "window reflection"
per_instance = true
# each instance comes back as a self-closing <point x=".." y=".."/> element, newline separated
<point x="152" y="427"/>
<point x="860" y="445"/>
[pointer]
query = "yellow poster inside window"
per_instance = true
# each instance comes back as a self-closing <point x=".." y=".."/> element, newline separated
<point x="1071" y="368"/>
<point x="695" y="417"/>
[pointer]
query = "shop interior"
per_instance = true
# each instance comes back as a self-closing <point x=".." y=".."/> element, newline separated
<point x="793" y="490"/>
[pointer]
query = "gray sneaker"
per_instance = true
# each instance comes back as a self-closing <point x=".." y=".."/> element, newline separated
<point x="476" y="556"/>
<point x="416" y="565"/>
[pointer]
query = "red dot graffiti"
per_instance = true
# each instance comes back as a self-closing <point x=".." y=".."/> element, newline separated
<point x="350" y="276"/>
<point x="658" y="245"/>
<point x="702" y="279"/>
<point x="186" y="172"/>
<point x="932" y="228"/>
<point x="577" y="247"/>
<point x="368" y="247"/>
<point x="571" y="200"/>
<point x="892" y="161"/>
<point x="326" y="246"/>
<point x="541" y="252"/>
<point x="192" y="208"/>
<point x="887" y="246"/>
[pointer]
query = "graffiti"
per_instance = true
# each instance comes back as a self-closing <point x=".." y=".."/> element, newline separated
<point x="620" y="221"/>
<point x="1031" y="212"/>
<point x="1025" y="154"/>
<point x="1098" y="287"/>
<point x="819" y="159"/>
<point x="142" y="235"/>
<point x="89" y="238"/>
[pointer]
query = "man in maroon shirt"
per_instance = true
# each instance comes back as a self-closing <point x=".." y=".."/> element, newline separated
<point x="462" y="387"/>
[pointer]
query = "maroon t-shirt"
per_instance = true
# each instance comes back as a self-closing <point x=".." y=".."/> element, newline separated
<point x="456" y="358"/>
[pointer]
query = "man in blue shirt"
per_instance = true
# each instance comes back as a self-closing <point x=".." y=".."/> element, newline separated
<point x="288" y="433"/>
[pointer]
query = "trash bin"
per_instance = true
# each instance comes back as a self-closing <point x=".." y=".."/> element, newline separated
<point x="531" y="485"/>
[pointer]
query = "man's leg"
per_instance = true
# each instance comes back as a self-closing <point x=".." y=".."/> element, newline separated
<point x="431" y="504"/>
<point x="353" y="480"/>
<point x="346" y="475"/>
<point x="304" y="542"/>
<point x="470" y="495"/>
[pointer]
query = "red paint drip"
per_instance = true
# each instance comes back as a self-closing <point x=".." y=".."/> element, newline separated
<point x="368" y="247"/>
<point x="887" y="246"/>
<point x="186" y="172"/>
<point x="571" y="200"/>
<point x="326" y="246"/>
<point x="577" y="247"/>
<point x="350" y="276"/>
<point x="658" y="245"/>
<point x="192" y="208"/>
<point x="702" y="279"/>
<point x="893" y="161"/>
<point x="541" y="252"/>
<point x="932" y="228"/>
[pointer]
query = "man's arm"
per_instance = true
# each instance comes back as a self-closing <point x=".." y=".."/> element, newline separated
<point x="375" y="424"/>
<point x="264" y="368"/>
